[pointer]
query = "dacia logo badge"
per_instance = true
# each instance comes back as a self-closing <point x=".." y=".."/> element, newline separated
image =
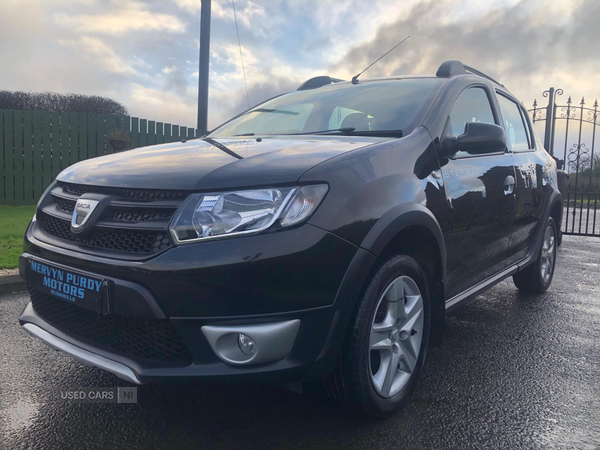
<point x="82" y="212"/>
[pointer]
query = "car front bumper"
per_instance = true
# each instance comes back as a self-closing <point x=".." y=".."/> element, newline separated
<point x="304" y="276"/>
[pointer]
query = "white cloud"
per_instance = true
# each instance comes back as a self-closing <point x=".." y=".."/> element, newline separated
<point x="169" y="69"/>
<point x="191" y="6"/>
<point x="101" y="54"/>
<point x="233" y="56"/>
<point x="124" y="18"/>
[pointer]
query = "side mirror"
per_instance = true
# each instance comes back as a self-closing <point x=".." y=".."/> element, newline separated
<point x="478" y="139"/>
<point x="560" y="163"/>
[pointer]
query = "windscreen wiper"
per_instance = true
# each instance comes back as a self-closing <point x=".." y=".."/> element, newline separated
<point x="379" y="133"/>
<point x="346" y="130"/>
<point x="222" y="147"/>
<point x="351" y="131"/>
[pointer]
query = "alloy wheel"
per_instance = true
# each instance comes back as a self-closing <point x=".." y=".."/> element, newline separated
<point x="396" y="336"/>
<point x="548" y="255"/>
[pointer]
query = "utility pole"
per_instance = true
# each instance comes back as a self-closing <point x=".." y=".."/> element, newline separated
<point x="204" y="61"/>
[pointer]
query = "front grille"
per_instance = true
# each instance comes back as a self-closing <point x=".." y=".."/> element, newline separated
<point x="132" y="194"/>
<point x="140" y="215"/>
<point x="134" y="241"/>
<point x="67" y="206"/>
<point x="134" y="222"/>
<point x="153" y="340"/>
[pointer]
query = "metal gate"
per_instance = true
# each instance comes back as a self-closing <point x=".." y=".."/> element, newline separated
<point x="570" y="135"/>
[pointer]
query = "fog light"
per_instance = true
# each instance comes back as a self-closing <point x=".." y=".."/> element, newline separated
<point x="246" y="344"/>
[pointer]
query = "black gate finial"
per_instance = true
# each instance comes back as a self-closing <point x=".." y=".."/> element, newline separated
<point x="550" y="118"/>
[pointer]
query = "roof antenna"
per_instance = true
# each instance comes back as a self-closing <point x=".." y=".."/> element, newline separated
<point x="355" y="77"/>
<point x="240" y="45"/>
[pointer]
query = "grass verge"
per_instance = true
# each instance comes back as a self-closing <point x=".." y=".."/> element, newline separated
<point x="13" y="223"/>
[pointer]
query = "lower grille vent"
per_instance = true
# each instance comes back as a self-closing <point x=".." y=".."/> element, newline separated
<point x="155" y="340"/>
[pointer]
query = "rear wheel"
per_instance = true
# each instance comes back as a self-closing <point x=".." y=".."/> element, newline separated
<point x="537" y="277"/>
<point x="386" y="347"/>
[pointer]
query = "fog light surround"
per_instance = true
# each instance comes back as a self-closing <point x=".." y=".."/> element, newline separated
<point x="252" y="343"/>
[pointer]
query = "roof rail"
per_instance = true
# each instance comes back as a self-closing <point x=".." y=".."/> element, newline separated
<point x="453" y="67"/>
<point x="481" y="74"/>
<point x="317" y="82"/>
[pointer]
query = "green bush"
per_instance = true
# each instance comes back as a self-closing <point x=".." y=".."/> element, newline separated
<point x="52" y="101"/>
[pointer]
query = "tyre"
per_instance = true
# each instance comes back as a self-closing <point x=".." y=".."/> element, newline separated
<point x="537" y="277"/>
<point x="387" y="342"/>
<point x="559" y="237"/>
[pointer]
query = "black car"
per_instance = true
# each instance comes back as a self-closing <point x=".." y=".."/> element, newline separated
<point x="321" y="235"/>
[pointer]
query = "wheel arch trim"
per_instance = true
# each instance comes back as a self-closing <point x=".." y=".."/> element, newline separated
<point x="555" y="198"/>
<point x="387" y="228"/>
<point x="400" y="218"/>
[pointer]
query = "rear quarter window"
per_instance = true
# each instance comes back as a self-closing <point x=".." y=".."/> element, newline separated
<point x="517" y="134"/>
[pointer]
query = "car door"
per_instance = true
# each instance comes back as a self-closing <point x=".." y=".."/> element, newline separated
<point x="529" y="165"/>
<point x="479" y="190"/>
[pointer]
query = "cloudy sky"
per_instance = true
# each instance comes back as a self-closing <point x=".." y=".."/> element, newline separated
<point x="144" y="53"/>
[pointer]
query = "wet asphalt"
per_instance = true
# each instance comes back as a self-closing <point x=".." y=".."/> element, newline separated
<point x="514" y="371"/>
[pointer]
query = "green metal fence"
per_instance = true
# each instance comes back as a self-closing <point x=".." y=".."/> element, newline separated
<point x="36" y="145"/>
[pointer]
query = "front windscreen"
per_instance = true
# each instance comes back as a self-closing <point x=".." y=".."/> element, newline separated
<point x="370" y="107"/>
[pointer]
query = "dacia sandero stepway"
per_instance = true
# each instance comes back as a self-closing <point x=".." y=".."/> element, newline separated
<point x="321" y="235"/>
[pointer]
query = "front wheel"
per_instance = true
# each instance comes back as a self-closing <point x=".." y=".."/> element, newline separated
<point x="384" y="353"/>
<point x="537" y="276"/>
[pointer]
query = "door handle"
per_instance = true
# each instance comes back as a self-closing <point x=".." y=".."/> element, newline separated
<point x="509" y="185"/>
<point x="546" y="177"/>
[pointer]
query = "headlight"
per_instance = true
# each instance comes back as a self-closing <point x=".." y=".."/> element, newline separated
<point x="205" y="216"/>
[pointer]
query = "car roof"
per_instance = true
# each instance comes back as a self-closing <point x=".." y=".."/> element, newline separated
<point x="467" y="76"/>
<point x="447" y="70"/>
